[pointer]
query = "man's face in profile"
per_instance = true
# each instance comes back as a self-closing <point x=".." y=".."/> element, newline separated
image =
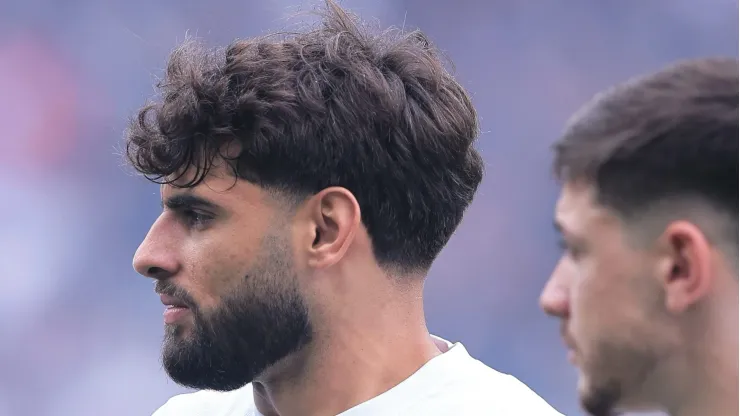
<point x="609" y="305"/>
<point x="223" y="265"/>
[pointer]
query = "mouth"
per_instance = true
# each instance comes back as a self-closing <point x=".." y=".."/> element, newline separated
<point x="572" y="357"/>
<point x="175" y="309"/>
<point x="569" y="345"/>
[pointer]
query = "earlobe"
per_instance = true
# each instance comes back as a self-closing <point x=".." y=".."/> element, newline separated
<point x="336" y="215"/>
<point x="687" y="271"/>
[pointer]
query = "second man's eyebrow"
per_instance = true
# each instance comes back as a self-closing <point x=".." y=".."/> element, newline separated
<point x="181" y="201"/>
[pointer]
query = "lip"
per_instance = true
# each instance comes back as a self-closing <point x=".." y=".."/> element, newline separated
<point x="572" y="356"/>
<point x="571" y="350"/>
<point x="172" y="302"/>
<point x="174" y="314"/>
<point x="569" y="345"/>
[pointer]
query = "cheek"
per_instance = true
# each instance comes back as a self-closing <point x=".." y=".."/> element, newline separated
<point x="595" y="302"/>
<point x="214" y="268"/>
<point x="604" y="304"/>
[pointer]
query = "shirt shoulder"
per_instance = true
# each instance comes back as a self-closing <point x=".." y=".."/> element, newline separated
<point x="238" y="402"/>
<point x="454" y="383"/>
<point x="488" y="391"/>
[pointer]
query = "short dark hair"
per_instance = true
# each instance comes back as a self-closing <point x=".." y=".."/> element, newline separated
<point x="337" y="105"/>
<point x="671" y="134"/>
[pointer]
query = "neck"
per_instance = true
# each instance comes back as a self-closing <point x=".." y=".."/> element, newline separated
<point x="713" y="387"/>
<point x="364" y="354"/>
<point x="716" y="391"/>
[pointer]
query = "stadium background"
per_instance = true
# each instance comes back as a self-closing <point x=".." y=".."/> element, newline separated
<point x="80" y="331"/>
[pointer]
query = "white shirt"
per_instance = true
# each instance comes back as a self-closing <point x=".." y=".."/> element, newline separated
<point x="452" y="383"/>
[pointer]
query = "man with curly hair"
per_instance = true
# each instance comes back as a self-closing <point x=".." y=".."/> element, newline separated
<point x="308" y="182"/>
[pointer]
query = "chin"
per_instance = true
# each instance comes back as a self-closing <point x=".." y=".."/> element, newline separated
<point x="178" y="331"/>
<point x="599" y="395"/>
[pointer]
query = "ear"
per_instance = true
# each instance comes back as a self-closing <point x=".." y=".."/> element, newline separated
<point x="686" y="270"/>
<point x="334" y="217"/>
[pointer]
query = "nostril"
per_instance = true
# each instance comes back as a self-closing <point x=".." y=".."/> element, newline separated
<point x="157" y="272"/>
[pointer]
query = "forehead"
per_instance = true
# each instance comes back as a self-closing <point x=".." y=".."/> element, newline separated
<point x="577" y="211"/>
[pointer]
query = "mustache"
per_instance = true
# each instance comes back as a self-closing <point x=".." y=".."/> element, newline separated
<point x="167" y="287"/>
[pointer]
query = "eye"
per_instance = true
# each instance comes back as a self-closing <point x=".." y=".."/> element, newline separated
<point x="194" y="218"/>
<point x="568" y="249"/>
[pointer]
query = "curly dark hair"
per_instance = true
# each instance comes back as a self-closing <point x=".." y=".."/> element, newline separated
<point x="667" y="135"/>
<point x="338" y="105"/>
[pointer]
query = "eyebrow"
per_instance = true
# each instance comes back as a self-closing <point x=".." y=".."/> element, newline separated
<point x="182" y="201"/>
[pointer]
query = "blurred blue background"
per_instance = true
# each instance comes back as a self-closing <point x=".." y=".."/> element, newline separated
<point x="80" y="331"/>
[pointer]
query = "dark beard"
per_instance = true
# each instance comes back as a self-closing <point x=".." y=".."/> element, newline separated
<point x="606" y="396"/>
<point x="601" y="402"/>
<point x="255" y="326"/>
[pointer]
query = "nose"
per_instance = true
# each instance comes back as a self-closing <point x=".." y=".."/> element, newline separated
<point x="156" y="256"/>
<point x="555" y="296"/>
